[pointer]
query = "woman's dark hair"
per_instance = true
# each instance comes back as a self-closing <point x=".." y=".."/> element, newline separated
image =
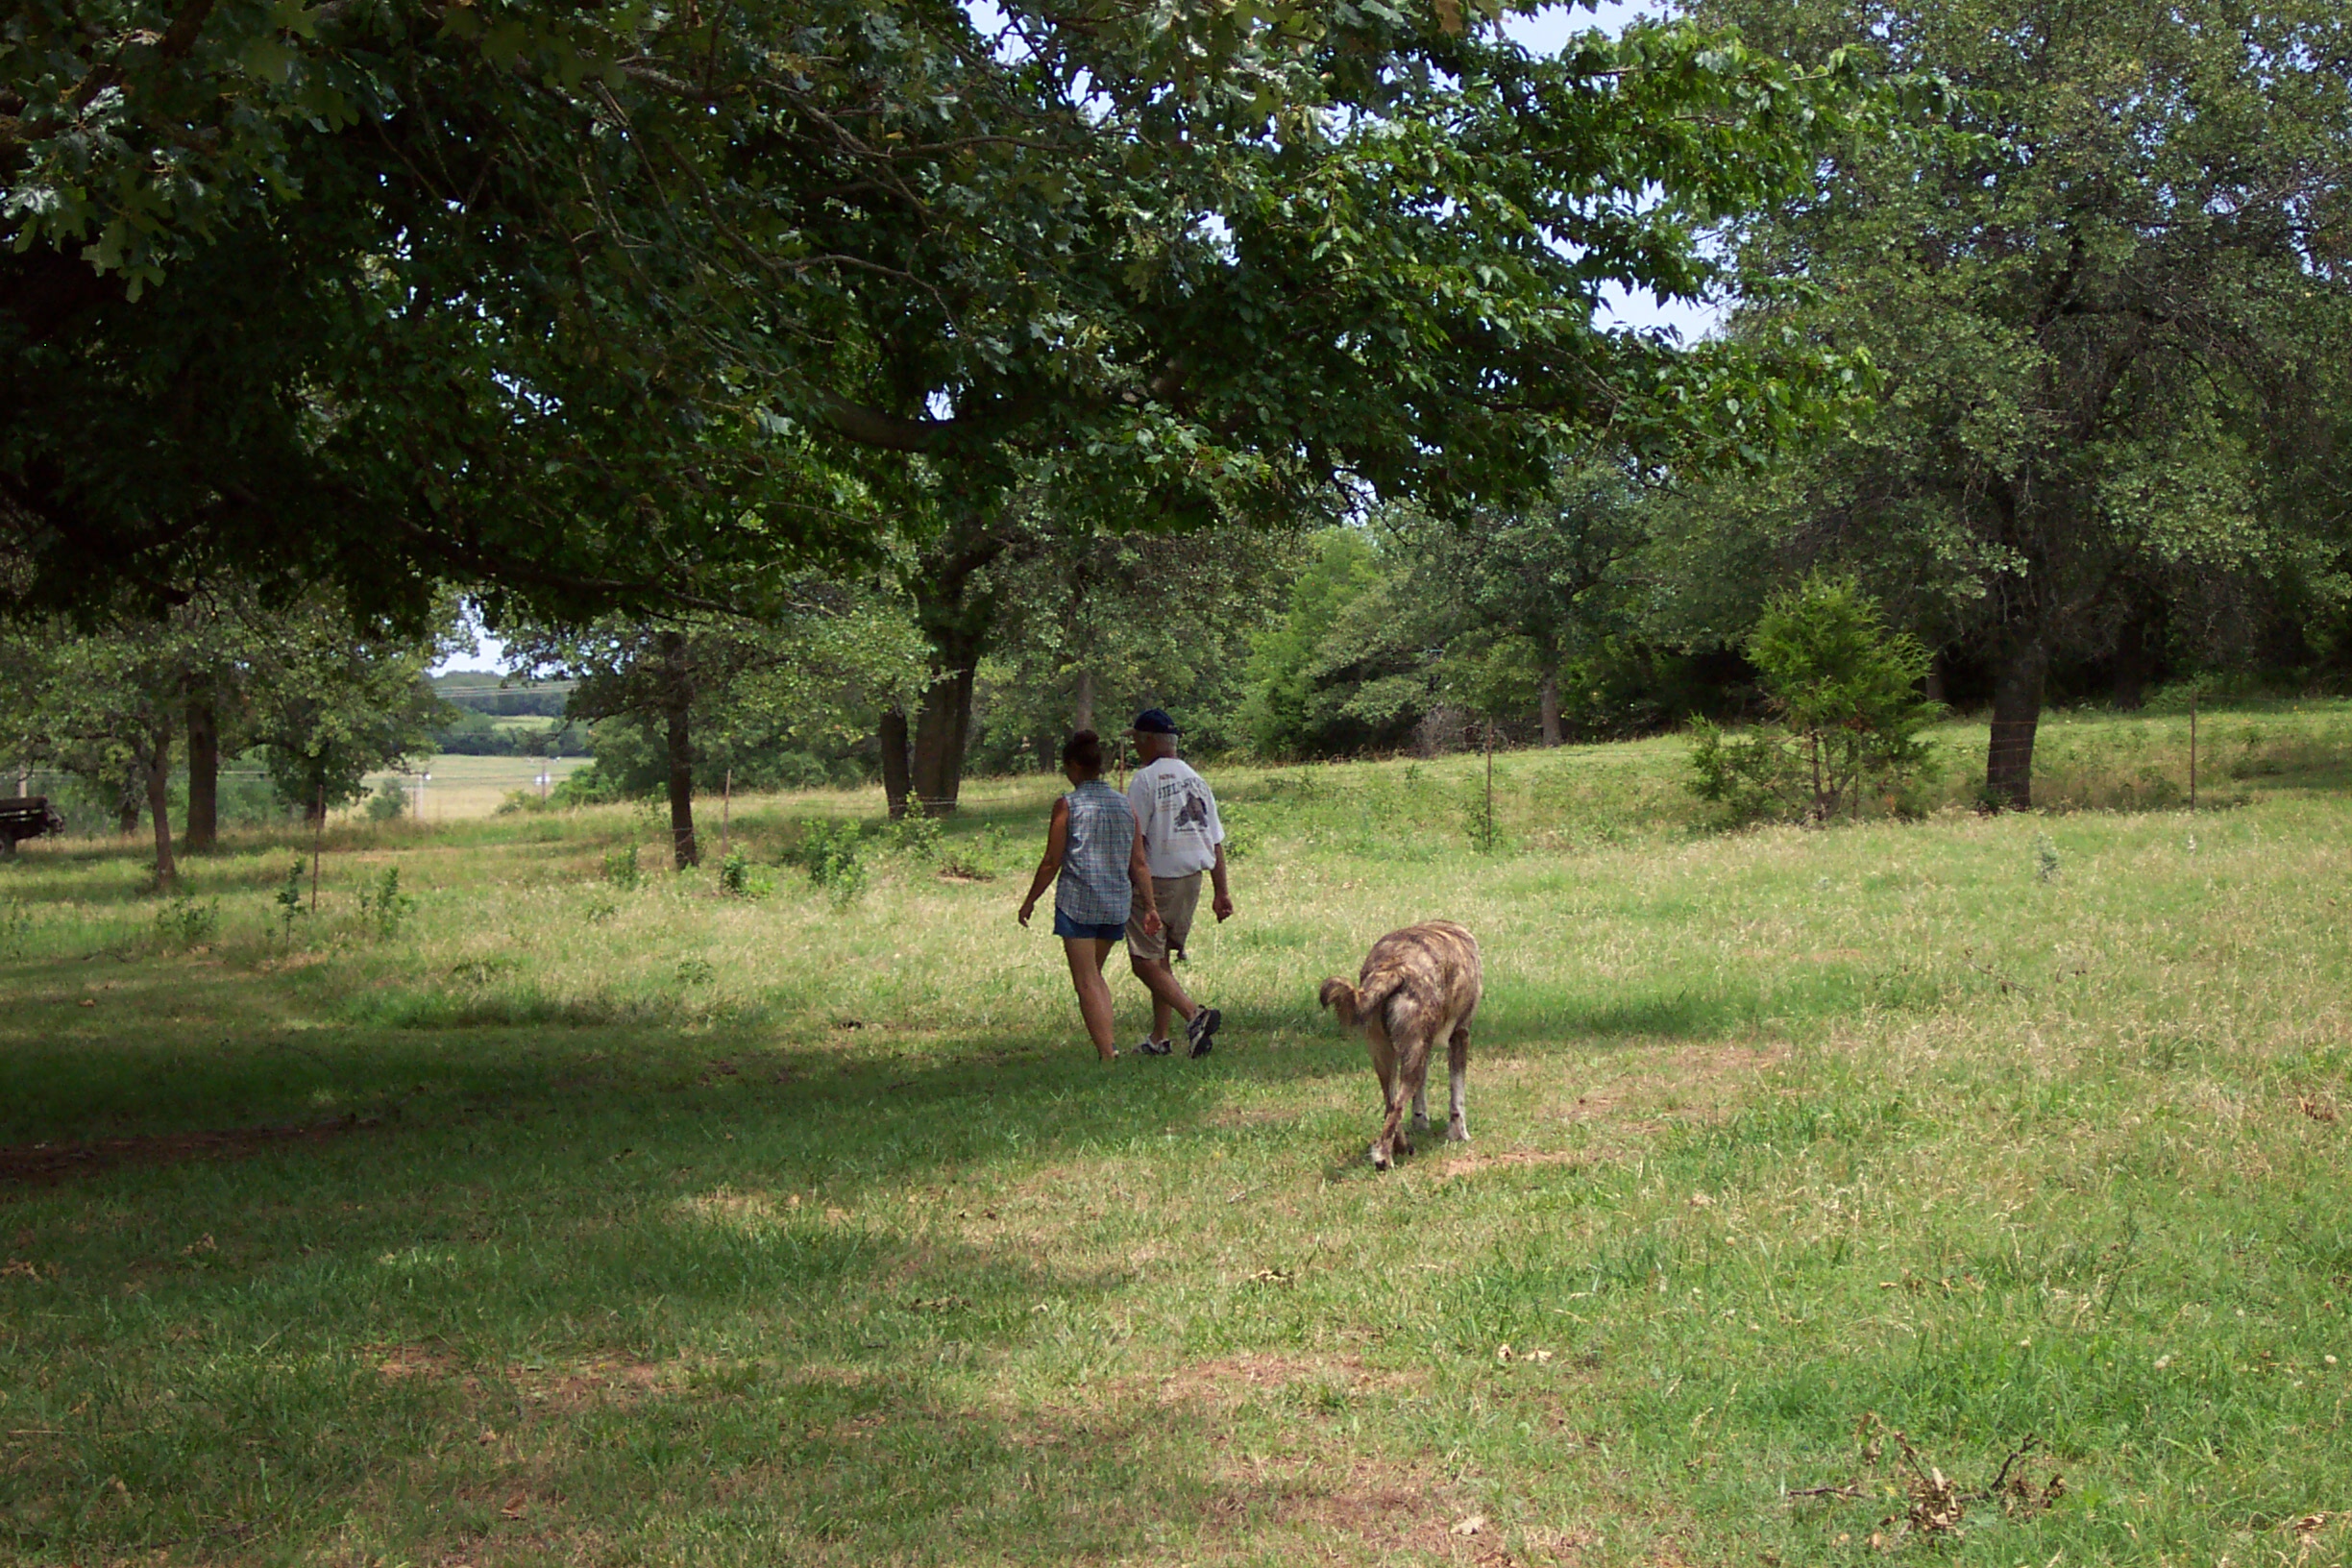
<point x="1083" y="752"/>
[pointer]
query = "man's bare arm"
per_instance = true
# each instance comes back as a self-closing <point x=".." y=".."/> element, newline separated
<point x="1138" y="871"/>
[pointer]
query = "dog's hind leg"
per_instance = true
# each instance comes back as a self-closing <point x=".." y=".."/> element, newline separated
<point x="1412" y="1078"/>
<point x="1457" y="1071"/>
<point x="1420" y="1116"/>
<point x="1384" y="1065"/>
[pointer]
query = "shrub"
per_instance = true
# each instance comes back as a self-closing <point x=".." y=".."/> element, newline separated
<point x="382" y="904"/>
<point x="289" y="898"/>
<point x="830" y="851"/>
<point x="916" y="836"/>
<point x="389" y="803"/>
<point x="588" y="786"/>
<point x="977" y="860"/>
<point x="188" y="923"/>
<point x="737" y="878"/>
<point x="1848" y="716"/>
<point x="620" y="868"/>
<point x="1487" y="835"/>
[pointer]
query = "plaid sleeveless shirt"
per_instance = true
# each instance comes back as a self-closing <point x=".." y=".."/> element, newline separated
<point x="1093" y="887"/>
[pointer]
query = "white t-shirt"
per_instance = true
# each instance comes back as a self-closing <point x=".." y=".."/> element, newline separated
<point x="1178" y="815"/>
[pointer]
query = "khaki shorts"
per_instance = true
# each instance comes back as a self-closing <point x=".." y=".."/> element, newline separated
<point x="1178" y="898"/>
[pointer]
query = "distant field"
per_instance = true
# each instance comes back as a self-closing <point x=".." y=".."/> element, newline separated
<point x="463" y="787"/>
<point x="1969" y="1191"/>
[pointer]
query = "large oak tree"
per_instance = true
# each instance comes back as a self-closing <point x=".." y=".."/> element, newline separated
<point x="613" y="304"/>
<point x="2109" y="298"/>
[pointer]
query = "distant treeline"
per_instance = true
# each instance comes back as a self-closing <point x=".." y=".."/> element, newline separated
<point x="484" y="694"/>
<point x="473" y="734"/>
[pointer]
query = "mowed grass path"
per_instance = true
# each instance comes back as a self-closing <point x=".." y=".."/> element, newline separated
<point x="653" y="1226"/>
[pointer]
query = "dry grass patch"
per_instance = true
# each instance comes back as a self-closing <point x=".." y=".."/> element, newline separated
<point x="398" y="1364"/>
<point x="1367" y="1507"/>
<point x="573" y="1384"/>
<point x="1470" y="1164"/>
<point x="725" y="1206"/>
<point x="611" y="1380"/>
<point x="47" y="1164"/>
<point x="1660" y="1087"/>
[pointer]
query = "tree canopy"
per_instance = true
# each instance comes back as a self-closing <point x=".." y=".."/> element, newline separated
<point x="2108" y="295"/>
<point x="612" y="305"/>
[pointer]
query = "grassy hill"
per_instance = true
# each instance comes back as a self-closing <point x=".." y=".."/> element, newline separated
<point x="1819" y="1180"/>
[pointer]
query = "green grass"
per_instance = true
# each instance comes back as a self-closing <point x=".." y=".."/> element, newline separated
<point x="652" y="1226"/>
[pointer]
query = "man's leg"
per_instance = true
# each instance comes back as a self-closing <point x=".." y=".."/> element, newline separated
<point x="1167" y="992"/>
<point x="1150" y="956"/>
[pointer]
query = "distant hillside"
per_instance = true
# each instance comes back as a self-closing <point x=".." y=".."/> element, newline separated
<point x="503" y="696"/>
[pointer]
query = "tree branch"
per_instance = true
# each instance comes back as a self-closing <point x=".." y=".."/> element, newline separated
<point x="872" y="427"/>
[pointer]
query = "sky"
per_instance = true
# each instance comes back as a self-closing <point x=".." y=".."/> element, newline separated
<point x="489" y="654"/>
<point x="1545" y="31"/>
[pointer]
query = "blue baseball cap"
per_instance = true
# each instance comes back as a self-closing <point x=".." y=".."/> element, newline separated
<point x="1155" y="722"/>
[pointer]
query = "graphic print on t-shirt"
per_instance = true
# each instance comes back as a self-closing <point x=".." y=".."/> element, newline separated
<point x="1178" y="812"/>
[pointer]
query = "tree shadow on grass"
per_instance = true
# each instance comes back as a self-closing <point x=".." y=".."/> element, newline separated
<point x="466" y="1374"/>
<point x="857" y="1108"/>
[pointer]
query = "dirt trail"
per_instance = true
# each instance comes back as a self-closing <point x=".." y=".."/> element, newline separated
<point x="46" y="1164"/>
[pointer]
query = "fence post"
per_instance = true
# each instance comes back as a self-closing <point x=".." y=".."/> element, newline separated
<point x="318" y="832"/>
<point x="1490" y="828"/>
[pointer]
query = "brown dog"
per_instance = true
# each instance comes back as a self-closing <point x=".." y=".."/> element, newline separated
<point x="1418" y="986"/>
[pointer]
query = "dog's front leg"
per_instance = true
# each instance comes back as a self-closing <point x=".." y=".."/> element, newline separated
<point x="1457" y="1071"/>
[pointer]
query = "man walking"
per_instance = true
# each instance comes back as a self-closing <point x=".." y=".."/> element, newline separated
<point x="1177" y="816"/>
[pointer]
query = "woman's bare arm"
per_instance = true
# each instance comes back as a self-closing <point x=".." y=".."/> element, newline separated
<point x="1057" y="842"/>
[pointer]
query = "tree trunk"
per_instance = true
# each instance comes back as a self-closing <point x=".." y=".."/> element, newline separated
<point x="682" y="846"/>
<point x="1934" y="686"/>
<point x="892" y="737"/>
<point x="159" y="805"/>
<point x="1082" y="705"/>
<point x="204" y="775"/>
<point x="677" y="710"/>
<point x="940" y="733"/>
<point x="2021" y="665"/>
<point x="314" y="802"/>
<point x="1548" y="702"/>
<point x="2134" y="664"/>
<point x="128" y="804"/>
<point x="957" y="612"/>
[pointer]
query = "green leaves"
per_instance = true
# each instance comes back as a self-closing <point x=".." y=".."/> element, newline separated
<point x="2090" y="281"/>
<point x="1845" y="694"/>
<point x="613" y="304"/>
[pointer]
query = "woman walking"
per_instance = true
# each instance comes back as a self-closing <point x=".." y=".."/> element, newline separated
<point x="1095" y="864"/>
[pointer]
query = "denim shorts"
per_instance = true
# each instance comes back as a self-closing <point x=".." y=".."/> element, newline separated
<point x="1065" y="926"/>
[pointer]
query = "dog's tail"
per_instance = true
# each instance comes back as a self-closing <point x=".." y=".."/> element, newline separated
<point x="1354" y="1006"/>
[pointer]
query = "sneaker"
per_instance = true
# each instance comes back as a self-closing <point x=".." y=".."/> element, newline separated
<point x="1201" y="1030"/>
<point x="1154" y="1047"/>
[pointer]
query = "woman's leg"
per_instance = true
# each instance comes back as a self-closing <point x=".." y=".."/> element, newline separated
<point x="1087" y="955"/>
